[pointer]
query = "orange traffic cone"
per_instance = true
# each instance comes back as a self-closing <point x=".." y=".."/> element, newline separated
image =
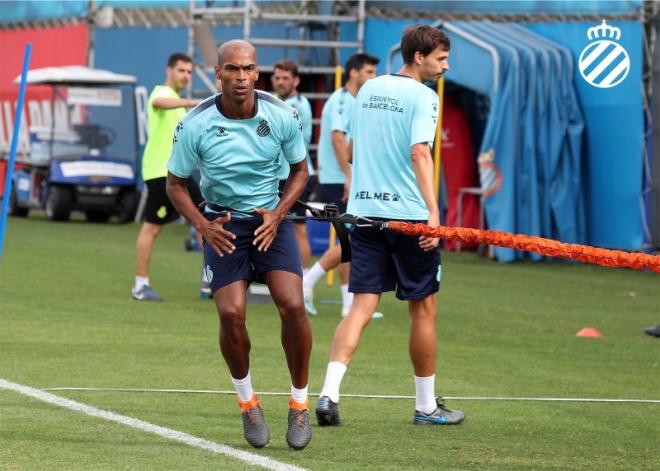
<point x="589" y="332"/>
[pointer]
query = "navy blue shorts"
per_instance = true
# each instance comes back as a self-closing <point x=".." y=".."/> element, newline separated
<point x="298" y="210"/>
<point x="332" y="193"/>
<point x="248" y="263"/>
<point x="386" y="260"/>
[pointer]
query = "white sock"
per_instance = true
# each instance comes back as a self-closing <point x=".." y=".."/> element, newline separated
<point x="299" y="395"/>
<point x="346" y="297"/>
<point x="333" y="377"/>
<point x="141" y="281"/>
<point x="425" y="394"/>
<point x="305" y="271"/>
<point x="244" y="387"/>
<point x="313" y="275"/>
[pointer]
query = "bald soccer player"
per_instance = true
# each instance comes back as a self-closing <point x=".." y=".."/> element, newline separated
<point x="235" y="138"/>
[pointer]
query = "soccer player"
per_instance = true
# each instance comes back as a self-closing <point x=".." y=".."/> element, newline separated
<point x="335" y="170"/>
<point x="393" y="129"/>
<point x="235" y="137"/>
<point x="164" y="110"/>
<point x="285" y="81"/>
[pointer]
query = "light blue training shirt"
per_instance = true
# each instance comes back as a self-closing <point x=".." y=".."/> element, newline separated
<point x="304" y="109"/>
<point x="391" y="114"/>
<point x="238" y="158"/>
<point x="336" y="114"/>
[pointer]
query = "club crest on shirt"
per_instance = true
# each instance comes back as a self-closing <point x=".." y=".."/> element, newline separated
<point x="263" y="129"/>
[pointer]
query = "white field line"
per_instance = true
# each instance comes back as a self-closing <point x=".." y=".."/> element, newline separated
<point x="362" y="396"/>
<point x="170" y="434"/>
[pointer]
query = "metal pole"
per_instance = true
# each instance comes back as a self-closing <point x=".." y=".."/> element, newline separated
<point x="330" y="277"/>
<point x="191" y="42"/>
<point x="360" y="25"/>
<point x="91" y="43"/>
<point x="437" y="150"/>
<point x="247" y="18"/>
<point x="14" y="146"/>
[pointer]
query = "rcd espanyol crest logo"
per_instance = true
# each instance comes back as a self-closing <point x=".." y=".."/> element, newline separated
<point x="604" y="63"/>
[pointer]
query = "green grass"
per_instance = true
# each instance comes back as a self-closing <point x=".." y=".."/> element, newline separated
<point x="66" y="319"/>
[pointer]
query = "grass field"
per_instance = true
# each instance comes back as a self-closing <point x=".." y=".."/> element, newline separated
<point x="67" y="320"/>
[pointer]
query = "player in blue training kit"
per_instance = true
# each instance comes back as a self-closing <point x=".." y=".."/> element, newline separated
<point x="393" y="129"/>
<point x="335" y="171"/>
<point x="235" y="138"/>
<point x="285" y="81"/>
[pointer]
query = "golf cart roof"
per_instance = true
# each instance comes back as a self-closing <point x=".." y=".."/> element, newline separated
<point x="74" y="75"/>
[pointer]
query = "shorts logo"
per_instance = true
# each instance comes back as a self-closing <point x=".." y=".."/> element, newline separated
<point x="222" y="132"/>
<point x="438" y="275"/>
<point x="209" y="273"/>
<point x="162" y="212"/>
<point x="263" y="129"/>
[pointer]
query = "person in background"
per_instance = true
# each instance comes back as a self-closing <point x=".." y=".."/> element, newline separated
<point x="165" y="108"/>
<point x="285" y="81"/>
<point x="335" y="170"/>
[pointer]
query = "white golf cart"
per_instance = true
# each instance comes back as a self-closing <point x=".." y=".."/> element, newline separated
<point x="86" y="159"/>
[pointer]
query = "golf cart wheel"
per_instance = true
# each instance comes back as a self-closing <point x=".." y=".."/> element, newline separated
<point x="97" y="215"/>
<point x="58" y="204"/>
<point x="128" y="205"/>
<point x="14" y="208"/>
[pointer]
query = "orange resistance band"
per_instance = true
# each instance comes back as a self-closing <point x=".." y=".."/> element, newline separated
<point x="549" y="247"/>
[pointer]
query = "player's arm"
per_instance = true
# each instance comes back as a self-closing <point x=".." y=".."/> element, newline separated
<point x="340" y="148"/>
<point x="293" y="189"/>
<point x="212" y="232"/>
<point x="293" y="150"/>
<point x="168" y="103"/>
<point x="422" y="163"/>
<point x="183" y="161"/>
<point x="341" y="152"/>
<point x="177" y="191"/>
<point x="350" y="151"/>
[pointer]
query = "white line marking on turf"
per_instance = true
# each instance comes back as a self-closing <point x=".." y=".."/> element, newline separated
<point x="168" y="433"/>
<point x="363" y="396"/>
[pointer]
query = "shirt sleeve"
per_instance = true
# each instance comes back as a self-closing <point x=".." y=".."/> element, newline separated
<point x="185" y="155"/>
<point x="425" y="118"/>
<point x="293" y="145"/>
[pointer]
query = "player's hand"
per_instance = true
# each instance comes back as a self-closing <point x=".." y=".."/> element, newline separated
<point x="430" y="243"/>
<point x="218" y="237"/>
<point x="265" y="234"/>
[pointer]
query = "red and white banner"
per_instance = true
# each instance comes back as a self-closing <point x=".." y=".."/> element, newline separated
<point x="53" y="46"/>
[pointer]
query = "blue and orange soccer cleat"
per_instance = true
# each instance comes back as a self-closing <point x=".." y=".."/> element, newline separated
<point x="440" y="416"/>
<point x="299" y="432"/>
<point x="255" y="429"/>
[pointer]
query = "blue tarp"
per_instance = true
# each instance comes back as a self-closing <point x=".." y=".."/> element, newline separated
<point x="534" y="128"/>
<point x="614" y="124"/>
